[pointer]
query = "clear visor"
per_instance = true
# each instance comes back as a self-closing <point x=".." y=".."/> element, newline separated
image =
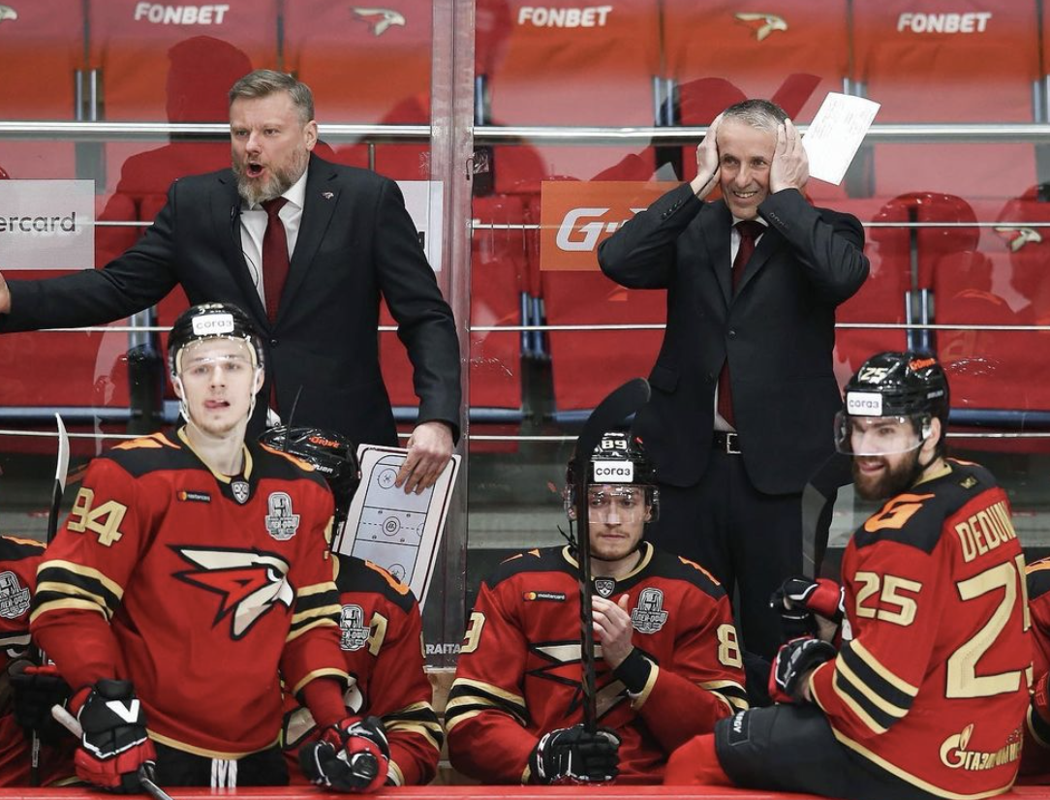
<point x="879" y="436"/>
<point x="605" y="499"/>
<point x="201" y="357"/>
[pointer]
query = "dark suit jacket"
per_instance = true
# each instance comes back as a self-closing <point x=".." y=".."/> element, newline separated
<point x="778" y="331"/>
<point x="356" y="241"/>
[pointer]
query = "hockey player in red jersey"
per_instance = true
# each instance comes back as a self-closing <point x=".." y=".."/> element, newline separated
<point x="669" y="663"/>
<point x="381" y="632"/>
<point x="27" y="691"/>
<point x="1035" y="760"/>
<point x="194" y="569"/>
<point x="926" y="697"/>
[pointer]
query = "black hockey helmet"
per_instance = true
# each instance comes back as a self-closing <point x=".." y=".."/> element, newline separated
<point x="619" y="458"/>
<point x="910" y="385"/>
<point x="330" y="453"/>
<point x="212" y="321"/>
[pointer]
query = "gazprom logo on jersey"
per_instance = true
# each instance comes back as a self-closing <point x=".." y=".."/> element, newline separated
<point x="212" y="324"/>
<point x="864" y="404"/>
<point x="613" y="471"/>
<point x="47" y="224"/>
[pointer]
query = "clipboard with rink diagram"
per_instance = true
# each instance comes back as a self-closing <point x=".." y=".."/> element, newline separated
<point x="399" y="532"/>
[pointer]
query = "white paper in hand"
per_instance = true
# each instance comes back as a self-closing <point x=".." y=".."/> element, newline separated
<point x="836" y="133"/>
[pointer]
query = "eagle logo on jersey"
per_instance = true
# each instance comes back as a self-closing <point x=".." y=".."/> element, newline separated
<point x="605" y="586"/>
<point x="281" y="522"/>
<point x="648" y="616"/>
<point x="1019" y="237"/>
<point x="562" y="666"/>
<point x="769" y="23"/>
<point x="352" y="624"/>
<point x="14" y="598"/>
<point x="6" y="12"/>
<point x="379" y="18"/>
<point x="250" y="583"/>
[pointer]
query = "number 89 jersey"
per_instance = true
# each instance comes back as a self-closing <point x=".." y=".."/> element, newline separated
<point x="932" y="679"/>
<point x="519" y="672"/>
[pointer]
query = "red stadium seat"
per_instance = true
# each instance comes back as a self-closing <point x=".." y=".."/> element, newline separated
<point x="719" y="52"/>
<point x="941" y="61"/>
<point x="132" y="48"/>
<point x="560" y="64"/>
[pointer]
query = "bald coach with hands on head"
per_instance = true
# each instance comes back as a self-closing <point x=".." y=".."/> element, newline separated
<point x="311" y="284"/>
<point x="744" y="394"/>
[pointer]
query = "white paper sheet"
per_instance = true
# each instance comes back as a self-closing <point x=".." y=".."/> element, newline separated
<point x="399" y="532"/>
<point x="836" y="133"/>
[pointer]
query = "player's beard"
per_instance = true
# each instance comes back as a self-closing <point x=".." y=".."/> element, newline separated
<point x="280" y="180"/>
<point x="891" y="481"/>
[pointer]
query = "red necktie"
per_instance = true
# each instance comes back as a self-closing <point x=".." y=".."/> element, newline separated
<point x="749" y="231"/>
<point x="274" y="256"/>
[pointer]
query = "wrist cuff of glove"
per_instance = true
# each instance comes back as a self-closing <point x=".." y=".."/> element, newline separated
<point x="634" y="671"/>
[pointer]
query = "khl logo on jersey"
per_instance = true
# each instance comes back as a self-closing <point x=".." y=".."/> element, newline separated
<point x="281" y="522"/>
<point x="14" y="598"/>
<point x="241" y="491"/>
<point x="649" y="616"/>
<point x="605" y="586"/>
<point x="352" y="624"/>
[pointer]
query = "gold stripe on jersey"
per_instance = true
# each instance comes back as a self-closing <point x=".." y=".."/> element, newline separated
<point x="324" y="622"/>
<point x="79" y="575"/>
<point x="316" y="588"/>
<point x="430" y="733"/>
<point x="68" y="605"/>
<point x="467" y="698"/>
<point x="637" y="701"/>
<point x="936" y="791"/>
<point x="901" y="685"/>
<point x="325" y="672"/>
<point x="20" y="639"/>
<point x="394" y="773"/>
<point x="200" y="751"/>
<point x="731" y="692"/>
<point x="417" y="718"/>
<point x="876" y="701"/>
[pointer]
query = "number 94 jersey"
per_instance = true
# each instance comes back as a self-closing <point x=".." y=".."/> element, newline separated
<point x="932" y="679"/>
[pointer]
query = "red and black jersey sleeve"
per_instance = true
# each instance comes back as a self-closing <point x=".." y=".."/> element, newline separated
<point x="876" y="676"/>
<point x="486" y="715"/>
<point x="311" y="649"/>
<point x="82" y="577"/>
<point x="705" y="674"/>
<point x="1035" y="758"/>
<point x="391" y="666"/>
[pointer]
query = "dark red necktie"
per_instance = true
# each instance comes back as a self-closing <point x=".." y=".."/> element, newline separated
<point x="274" y="256"/>
<point x="749" y="231"/>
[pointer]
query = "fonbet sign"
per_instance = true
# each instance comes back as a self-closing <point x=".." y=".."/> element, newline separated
<point x="47" y="225"/>
<point x="576" y="217"/>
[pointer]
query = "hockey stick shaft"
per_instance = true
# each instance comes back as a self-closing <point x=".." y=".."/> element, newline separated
<point x="611" y="412"/>
<point x="59" y="486"/>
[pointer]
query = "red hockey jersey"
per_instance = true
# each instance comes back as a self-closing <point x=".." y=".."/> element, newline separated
<point x="931" y="682"/>
<point x="381" y="636"/>
<point x="19" y="559"/>
<point x="1035" y="761"/>
<point x="197" y="587"/>
<point x="519" y="672"/>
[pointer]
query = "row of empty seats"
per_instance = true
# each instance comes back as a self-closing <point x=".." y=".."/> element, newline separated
<point x="925" y="60"/>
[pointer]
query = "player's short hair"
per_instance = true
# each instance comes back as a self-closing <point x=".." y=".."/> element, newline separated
<point x="762" y="114"/>
<point x="265" y="82"/>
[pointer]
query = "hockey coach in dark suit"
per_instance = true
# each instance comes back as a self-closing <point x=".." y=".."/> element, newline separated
<point x="744" y="395"/>
<point x="306" y="247"/>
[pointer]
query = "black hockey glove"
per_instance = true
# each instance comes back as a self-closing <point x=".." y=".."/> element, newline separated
<point x="792" y="662"/>
<point x="35" y="690"/>
<point x="114" y="744"/>
<point x="575" y="755"/>
<point x="353" y="756"/>
<point x="798" y="599"/>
